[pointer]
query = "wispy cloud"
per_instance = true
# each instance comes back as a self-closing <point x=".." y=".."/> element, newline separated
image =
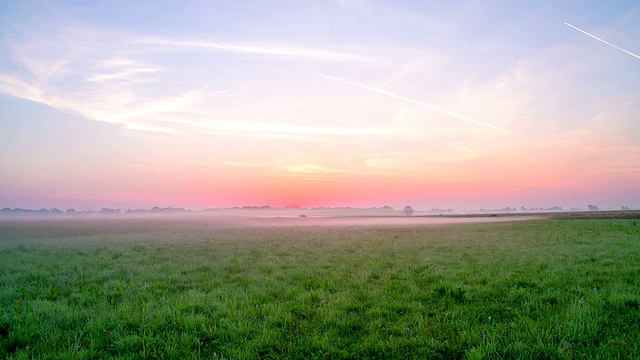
<point x="418" y="63"/>
<point x="265" y="127"/>
<point x="121" y="68"/>
<point x="145" y="109"/>
<point x="75" y="69"/>
<point x="74" y="74"/>
<point x="16" y="87"/>
<point x="307" y="168"/>
<point x="254" y="49"/>
<point x="242" y="164"/>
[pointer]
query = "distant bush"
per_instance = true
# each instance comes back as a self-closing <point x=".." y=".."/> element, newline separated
<point x="408" y="210"/>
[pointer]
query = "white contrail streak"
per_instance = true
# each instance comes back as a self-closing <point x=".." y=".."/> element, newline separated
<point x="419" y="103"/>
<point x="604" y="41"/>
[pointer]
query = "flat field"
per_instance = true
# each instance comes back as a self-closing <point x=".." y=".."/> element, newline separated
<point x="180" y="288"/>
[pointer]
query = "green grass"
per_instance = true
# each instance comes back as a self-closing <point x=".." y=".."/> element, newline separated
<point x="129" y="289"/>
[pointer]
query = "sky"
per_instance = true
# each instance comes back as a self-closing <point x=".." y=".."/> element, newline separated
<point x="198" y="104"/>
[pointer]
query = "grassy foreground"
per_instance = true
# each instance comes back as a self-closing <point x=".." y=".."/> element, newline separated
<point x="129" y="289"/>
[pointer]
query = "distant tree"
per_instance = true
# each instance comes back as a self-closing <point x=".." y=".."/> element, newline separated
<point x="593" y="208"/>
<point x="105" y="210"/>
<point x="71" y="211"/>
<point x="408" y="210"/>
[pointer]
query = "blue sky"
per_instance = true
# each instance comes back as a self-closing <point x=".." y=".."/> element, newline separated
<point x="198" y="104"/>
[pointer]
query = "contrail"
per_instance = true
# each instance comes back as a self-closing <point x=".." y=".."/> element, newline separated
<point x="608" y="43"/>
<point x="419" y="103"/>
<point x="384" y="92"/>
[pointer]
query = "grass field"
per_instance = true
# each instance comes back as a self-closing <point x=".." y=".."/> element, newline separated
<point x="129" y="289"/>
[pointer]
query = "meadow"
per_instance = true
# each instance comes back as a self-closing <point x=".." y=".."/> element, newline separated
<point x="180" y="289"/>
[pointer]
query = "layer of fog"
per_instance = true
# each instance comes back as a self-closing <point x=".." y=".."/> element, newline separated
<point x="274" y="218"/>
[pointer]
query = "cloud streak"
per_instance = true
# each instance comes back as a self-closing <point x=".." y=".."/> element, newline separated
<point x="256" y="49"/>
<point x="415" y="102"/>
<point x="315" y="169"/>
<point x="604" y="41"/>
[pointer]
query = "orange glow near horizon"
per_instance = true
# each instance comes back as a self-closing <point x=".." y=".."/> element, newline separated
<point x="508" y="178"/>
